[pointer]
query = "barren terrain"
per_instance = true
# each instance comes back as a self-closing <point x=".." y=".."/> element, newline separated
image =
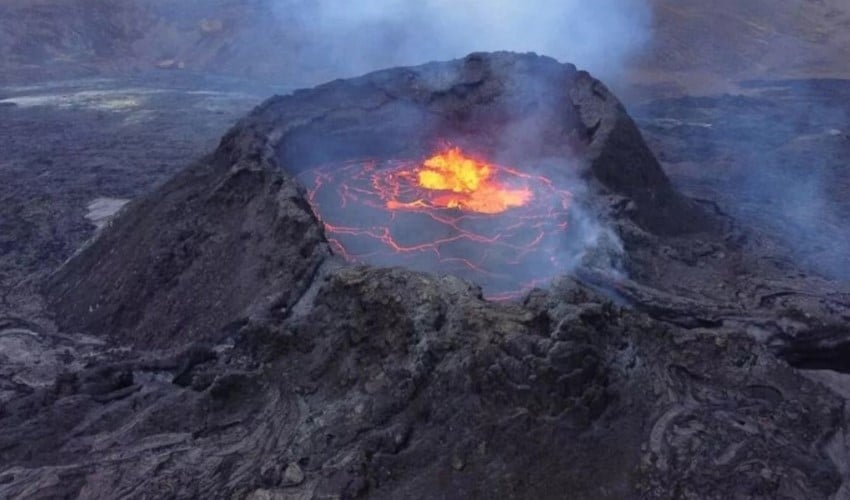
<point x="174" y="323"/>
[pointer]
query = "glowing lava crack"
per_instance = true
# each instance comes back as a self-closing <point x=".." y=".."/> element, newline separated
<point x="500" y="227"/>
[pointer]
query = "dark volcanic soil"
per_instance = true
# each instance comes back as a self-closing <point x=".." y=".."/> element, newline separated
<point x="211" y="346"/>
<point x="67" y="144"/>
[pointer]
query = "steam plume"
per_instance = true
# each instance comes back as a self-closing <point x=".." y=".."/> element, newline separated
<point x="350" y="38"/>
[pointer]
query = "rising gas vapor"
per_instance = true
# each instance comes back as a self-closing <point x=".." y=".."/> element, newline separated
<point x="348" y="38"/>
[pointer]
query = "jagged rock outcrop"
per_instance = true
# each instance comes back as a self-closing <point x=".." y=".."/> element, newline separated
<point x="399" y="384"/>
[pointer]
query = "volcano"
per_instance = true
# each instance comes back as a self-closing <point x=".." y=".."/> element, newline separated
<point x="243" y="330"/>
<point x="550" y="138"/>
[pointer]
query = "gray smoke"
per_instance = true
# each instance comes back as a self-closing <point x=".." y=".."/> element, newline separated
<point x="338" y="38"/>
<point x="778" y="158"/>
<point x="793" y="185"/>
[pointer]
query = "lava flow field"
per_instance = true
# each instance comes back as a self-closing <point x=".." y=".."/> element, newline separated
<point x="453" y="212"/>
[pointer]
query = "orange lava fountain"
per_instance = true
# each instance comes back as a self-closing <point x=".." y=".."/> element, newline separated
<point x="452" y="212"/>
<point x="463" y="183"/>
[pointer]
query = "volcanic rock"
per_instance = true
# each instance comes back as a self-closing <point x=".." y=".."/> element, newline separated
<point x="187" y="260"/>
<point x="293" y="475"/>
<point x="390" y="379"/>
<point x="256" y="354"/>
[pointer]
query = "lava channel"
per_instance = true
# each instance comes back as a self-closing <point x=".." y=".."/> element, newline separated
<point x="497" y="226"/>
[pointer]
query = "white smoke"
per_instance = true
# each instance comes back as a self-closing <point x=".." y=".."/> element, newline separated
<point x="348" y="38"/>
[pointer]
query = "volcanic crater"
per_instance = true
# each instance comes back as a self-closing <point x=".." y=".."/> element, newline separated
<point x="478" y="168"/>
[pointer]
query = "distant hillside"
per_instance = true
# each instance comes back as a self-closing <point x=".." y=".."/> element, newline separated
<point x="748" y="39"/>
<point x="46" y="38"/>
<point x="693" y="40"/>
<point x="80" y="36"/>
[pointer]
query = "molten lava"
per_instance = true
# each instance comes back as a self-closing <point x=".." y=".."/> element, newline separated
<point x="500" y="227"/>
<point x="458" y="181"/>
